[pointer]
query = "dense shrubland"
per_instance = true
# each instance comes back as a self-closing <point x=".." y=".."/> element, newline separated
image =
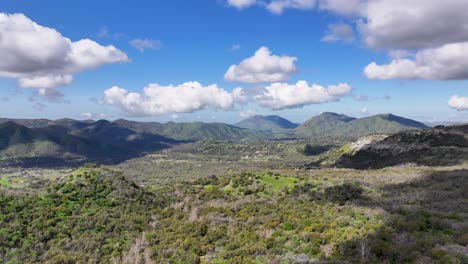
<point x="96" y="215"/>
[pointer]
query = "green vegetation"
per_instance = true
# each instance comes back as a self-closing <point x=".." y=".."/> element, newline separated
<point x="29" y="142"/>
<point x="5" y="182"/>
<point x="271" y="123"/>
<point x="277" y="182"/>
<point x="91" y="216"/>
<point x="96" y="215"/>
<point x="341" y="126"/>
<point x="231" y="201"/>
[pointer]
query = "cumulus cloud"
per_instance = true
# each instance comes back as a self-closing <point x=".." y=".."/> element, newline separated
<point x="364" y="111"/>
<point x="282" y="95"/>
<point x="416" y="24"/>
<point x="390" y="24"/>
<point x="458" y="102"/>
<point x="339" y="32"/>
<point x="185" y="98"/>
<point x="262" y="67"/>
<point x="40" y="57"/>
<point x="449" y="62"/>
<point x="143" y="44"/>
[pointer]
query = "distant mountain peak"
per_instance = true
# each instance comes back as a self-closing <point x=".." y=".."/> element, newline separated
<point x="266" y="123"/>
<point x="342" y="126"/>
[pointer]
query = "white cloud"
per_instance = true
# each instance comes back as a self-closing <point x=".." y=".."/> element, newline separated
<point x="46" y="81"/>
<point x="185" y="98"/>
<point x="143" y="44"/>
<point x="399" y="54"/>
<point x="248" y="113"/>
<point x="262" y="67"/>
<point x="282" y="95"/>
<point x="274" y="6"/>
<point x="240" y="4"/>
<point x="458" y="102"/>
<point x="278" y="6"/>
<point x="50" y="94"/>
<point x="402" y="24"/>
<point x="364" y="111"/>
<point x="89" y="115"/>
<point x="449" y="62"/>
<point x="344" y="7"/>
<point x="339" y="31"/>
<point x="40" y="57"/>
<point x="415" y="24"/>
<point x="390" y="24"/>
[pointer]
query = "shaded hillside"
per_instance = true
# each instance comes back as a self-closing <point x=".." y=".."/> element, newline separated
<point x="342" y="126"/>
<point x="266" y="123"/>
<point x="323" y="124"/>
<point x="101" y="141"/>
<point x="191" y="131"/>
<point x="433" y="147"/>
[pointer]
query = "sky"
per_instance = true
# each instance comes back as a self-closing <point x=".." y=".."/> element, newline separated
<point x="226" y="60"/>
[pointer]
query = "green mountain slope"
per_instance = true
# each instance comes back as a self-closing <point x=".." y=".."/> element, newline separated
<point x="266" y="123"/>
<point x="90" y="216"/>
<point x="99" y="141"/>
<point x="191" y="131"/>
<point x="342" y="126"/>
<point x="325" y="124"/>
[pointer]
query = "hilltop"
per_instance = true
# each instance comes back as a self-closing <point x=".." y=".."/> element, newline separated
<point x="439" y="146"/>
<point x="342" y="126"/>
<point x="266" y="123"/>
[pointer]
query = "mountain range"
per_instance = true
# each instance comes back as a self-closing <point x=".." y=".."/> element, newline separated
<point x="37" y="140"/>
<point x="331" y="125"/>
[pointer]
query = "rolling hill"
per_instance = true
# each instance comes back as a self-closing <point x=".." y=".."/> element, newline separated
<point x="342" y="126"/>
<point x="190" y="131"/>
<point x="65" y="140"/>
<point x="101" y="141"/>
<point x="266" y="123"/>
<point x="438" y="146"/>
<point x="43" y="141"/>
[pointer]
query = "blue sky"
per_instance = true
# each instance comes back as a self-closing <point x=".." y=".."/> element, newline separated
<point x="194" y="40"/>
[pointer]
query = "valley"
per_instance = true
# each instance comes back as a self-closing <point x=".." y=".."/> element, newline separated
<point x="216" y="193"/>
